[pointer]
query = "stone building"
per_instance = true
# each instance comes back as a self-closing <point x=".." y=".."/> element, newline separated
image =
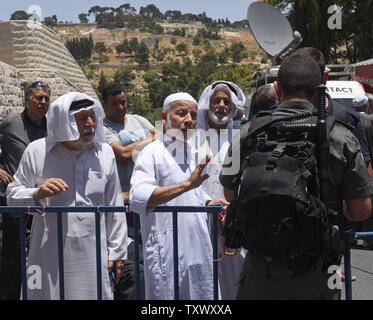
<point x="30" y="52"/>
<point x="190" y="28"/>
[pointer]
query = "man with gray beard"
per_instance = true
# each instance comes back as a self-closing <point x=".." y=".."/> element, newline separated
<point x="72" y="166"/>
<point x="217" y="106"/>
<point x="165" y="175"/>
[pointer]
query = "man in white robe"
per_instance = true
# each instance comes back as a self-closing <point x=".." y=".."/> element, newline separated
<point x="165" y="175"/>
<point x="217" y="106"/>
<point x="72" y="167"/>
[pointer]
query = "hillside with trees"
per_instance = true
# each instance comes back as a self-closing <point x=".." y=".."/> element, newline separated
<point x="153" y="53"/>
<point x="151" y="56"/>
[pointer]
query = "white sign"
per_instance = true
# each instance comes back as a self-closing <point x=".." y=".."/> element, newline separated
<point x="344" y="89"/>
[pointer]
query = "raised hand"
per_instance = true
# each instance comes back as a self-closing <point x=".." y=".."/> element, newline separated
<point x="196" y="178"/>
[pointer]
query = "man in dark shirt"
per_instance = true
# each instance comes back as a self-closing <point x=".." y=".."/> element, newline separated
<point x="341" y="112"/>
<point x="16" y="132"/>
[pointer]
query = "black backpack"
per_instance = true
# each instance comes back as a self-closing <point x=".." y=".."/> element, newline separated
<point x="277" y="210"/>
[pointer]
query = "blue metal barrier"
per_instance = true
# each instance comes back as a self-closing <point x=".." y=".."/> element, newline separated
<point x="97" y="210"/>
<point x="349" y="237"/>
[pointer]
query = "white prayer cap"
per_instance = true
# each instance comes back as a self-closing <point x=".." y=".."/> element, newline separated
<point x="359" y="100"/>
<point x="61" y="124"/>
<point x="177" y="96"/>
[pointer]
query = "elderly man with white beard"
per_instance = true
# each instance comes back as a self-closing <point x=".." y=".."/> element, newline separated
<point x="218" y="105"/>
<point x="165" y="175"/>
<point x="72" y="166"/>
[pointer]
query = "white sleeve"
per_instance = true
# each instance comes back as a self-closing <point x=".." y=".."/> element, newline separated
<point x="110" y="135"/>
<point x="21" y="191"/>
<point x="116" y="223"/>
<point x="143" y="182"/>
<point x="145" y="124"/>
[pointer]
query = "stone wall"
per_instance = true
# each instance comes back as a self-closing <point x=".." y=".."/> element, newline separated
<point x="11" y="96"/>
<point x="59" y="85"/>
<point x="39" y="54"/>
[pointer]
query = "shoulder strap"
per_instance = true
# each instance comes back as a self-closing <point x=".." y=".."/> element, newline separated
<point x="257" y="126"/>
<point x="267" y="121"/>
<point x="344" y="124"/>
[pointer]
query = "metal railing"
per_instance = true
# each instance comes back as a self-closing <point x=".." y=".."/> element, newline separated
<point x="349" y="238"/>
<point x="59" y="210"/>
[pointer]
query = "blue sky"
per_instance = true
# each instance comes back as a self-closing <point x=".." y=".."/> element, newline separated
<point x="68" y="10"/>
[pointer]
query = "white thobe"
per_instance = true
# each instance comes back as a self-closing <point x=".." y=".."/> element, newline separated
<point x="217" y="146"/>
<point x="93" y="180"/>
<point x="156" y="167"/>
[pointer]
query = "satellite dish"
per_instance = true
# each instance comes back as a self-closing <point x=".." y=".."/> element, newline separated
<point x="271" y="30"/>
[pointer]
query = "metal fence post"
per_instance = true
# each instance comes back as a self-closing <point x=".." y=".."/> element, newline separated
<point x="23" y="254"/>
<point x="176" y="255"/>
<point x="137" y="255"/>
<point x="98" y="254"/>
<point x="347" y="263"/>
<point x="215" y="254"/>
<point x="60" y="256"/>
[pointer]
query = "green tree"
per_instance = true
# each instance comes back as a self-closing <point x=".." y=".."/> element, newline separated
<point x="127" y="9"/>
<point x="102" y="83"/>
<point x="138" y="104"/>
<point x="50" y="21"/>
<point x="142" y="54"/>
<point x="237" y="51"/>
<point x="182" y="48"/>
<point x="133" y="44"/>
<point x="100" y="47"/>
<point x="19" y="15"/>
<point x="223" y="56"/>
<point x="173" y="40"/>
<point x="123" y="47"/>
<point x="96" y="10"/>
<point x="196" y="40"/>
<point x="151" y="11"/>
<point x="172" y="15"/>
<point x="83" y="17"/>
<point x="197" y="53"/>
<point x="240" y="75"/>
<point x="353" y="42"/>
<point x="124" y="77"/>
<point x="81" y="49"/>
<point x="157" y="29"/>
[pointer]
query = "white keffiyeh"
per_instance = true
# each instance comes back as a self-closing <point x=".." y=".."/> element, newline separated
<point x="61" y="124"/>
<point x="238" y="98"/>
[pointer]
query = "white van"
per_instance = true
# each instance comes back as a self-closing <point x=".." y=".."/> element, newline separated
<point x="344" y="91"/>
